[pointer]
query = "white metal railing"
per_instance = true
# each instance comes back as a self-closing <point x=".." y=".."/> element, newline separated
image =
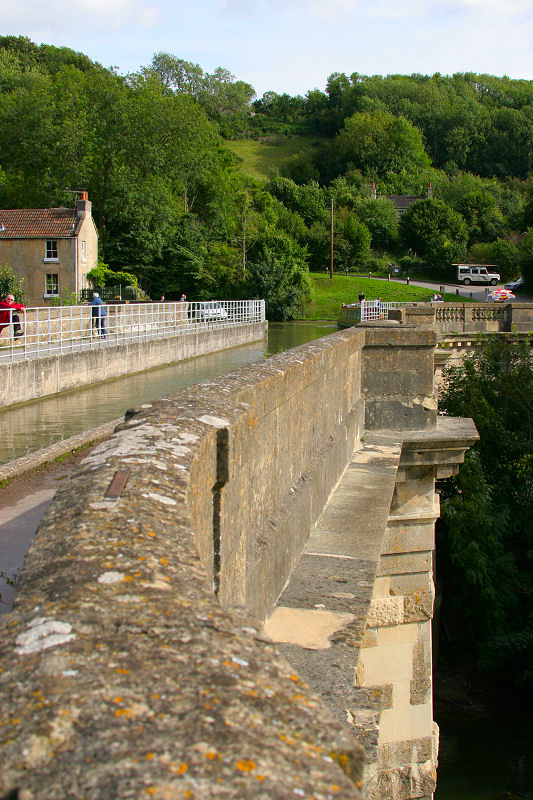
<point x="369" y="310"/>
<point x="377" y="309"/>
<point x="67" y="329"/>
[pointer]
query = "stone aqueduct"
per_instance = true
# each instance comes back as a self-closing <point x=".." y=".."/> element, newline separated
<point x="232" y="596"/>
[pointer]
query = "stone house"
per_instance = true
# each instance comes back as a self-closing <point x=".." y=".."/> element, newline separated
<point x="402" y="201"/>
<point x="52" y="249"/>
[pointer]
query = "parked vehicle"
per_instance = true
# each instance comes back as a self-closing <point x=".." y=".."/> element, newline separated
<point x="211" y="311"/>
<point x="516" y="284"/>
<point x="477" y="273"/>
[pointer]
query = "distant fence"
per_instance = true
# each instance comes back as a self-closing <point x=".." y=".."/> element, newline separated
<point x="67" y="329"/>
<point x="444" y="317"/>
<point x="366" y="311"/>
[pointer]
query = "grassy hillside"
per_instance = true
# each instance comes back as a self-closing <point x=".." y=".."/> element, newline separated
<point x="328" y="295"/>
<point x="257" y="158"/>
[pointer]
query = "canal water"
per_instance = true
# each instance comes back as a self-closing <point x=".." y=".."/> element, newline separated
<point x="39" y="423"/>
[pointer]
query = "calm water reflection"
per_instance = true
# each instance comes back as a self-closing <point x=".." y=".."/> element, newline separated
<point x="33" y="425"/>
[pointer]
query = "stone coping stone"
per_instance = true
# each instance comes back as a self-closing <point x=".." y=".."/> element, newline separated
<point x="453" y="432"/>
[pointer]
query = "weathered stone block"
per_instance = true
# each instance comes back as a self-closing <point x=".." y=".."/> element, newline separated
<point x="421" y="683"/>
<point x="410" y="751"/>
<point x="386" y="611"/>
<point x="370" y="638"/>
<point x="418" y="606"/>
<point x="404" y="563"/>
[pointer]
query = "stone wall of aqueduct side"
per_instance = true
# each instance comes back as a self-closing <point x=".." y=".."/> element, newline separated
<point x="135" y="663"/>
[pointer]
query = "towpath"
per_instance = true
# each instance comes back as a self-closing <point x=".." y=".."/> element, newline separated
<point x="22" y="505"/>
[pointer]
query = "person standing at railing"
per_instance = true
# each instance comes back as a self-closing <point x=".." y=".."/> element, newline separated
<point x="7" y="307"/>
<point x="98" y="313"/>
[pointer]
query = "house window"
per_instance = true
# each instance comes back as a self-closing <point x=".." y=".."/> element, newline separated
<point x="83" y="251"/>
<point x="84" y="281"/>
<point x="52" y="285"/>
<point x="51" y="250"/>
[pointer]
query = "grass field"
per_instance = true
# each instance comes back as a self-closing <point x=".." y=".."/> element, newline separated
<point x="257" y="158"/>
<point x="328" y="295"/>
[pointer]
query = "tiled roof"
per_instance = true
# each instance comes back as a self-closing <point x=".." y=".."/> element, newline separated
<point x="38" y="223"/>
<point x="404" y="200"/>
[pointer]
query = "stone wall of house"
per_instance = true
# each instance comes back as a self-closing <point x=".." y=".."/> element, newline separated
<point x="89" y="235"/>
<point x="26" y="257"/>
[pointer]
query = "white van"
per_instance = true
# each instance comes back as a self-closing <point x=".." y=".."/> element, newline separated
<point x="477" y="273"/>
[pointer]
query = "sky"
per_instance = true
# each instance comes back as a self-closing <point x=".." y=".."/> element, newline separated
<point x="289" y="45"/>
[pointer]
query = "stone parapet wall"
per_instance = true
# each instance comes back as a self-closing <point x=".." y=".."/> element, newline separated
<point x="122" y="675"/>
<point x="134" y="661"/>
<point x="460" y="318"/>
<point x="397" y="376"/>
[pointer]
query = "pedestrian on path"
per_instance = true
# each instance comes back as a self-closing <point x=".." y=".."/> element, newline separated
<point x="98" y="313"/>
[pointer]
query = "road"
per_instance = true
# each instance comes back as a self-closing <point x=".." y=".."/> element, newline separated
<point x="478" y="293"/>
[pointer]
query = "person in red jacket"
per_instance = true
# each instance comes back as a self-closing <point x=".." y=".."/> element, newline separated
<point x="6" y="305"/>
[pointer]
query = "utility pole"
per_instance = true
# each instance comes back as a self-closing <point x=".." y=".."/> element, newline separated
<point x="331" y="261"/>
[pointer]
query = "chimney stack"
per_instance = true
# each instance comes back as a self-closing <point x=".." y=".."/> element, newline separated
<point x="373" y="192"/>
<point x="83" y="205"/>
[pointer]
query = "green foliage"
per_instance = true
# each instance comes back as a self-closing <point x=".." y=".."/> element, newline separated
<point x="225" y="100"/>
<point x="65" y="299"/>
<point x="180" y="212"/>
<point x="102" y="275"/>
<point x="379" y="142"/>
<point x="526" y="257"/>
<point x="487" y="540"/>
<point x="381" y="219"/>
<point x="434" y="231"/>
<point x="278" y="273"/>
<point x="504" y="254"/>
<point x="10" y="285"/>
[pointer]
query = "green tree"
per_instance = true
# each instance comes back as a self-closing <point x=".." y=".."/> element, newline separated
<point x="379" y="142"/>
<point x="278" y="273"/>
<point x="486" y="543"/>
<point x="434" y="231"/>
<point x="504" y="254"/>
<point x="526" y="257"/>
<point x="10" y="285"/>
<point x="381" y="219"/>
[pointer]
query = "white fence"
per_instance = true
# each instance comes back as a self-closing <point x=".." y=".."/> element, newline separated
<point x="65" y="329"/>
<point x="367" y="310"/>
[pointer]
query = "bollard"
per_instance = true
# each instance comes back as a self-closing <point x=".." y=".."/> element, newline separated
<point x="369" y="274"/>
<point x="471" y="296"/>
<point x="388" y="277"/>
<point x="408" y="280"/>
<point x="457" y="292"/>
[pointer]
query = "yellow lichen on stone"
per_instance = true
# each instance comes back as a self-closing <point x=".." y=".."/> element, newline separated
<point x="245" y="765"/>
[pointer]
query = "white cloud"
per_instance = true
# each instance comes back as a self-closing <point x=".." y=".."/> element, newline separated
<point x="509" y="8"/>
<point x="42" y="21"/>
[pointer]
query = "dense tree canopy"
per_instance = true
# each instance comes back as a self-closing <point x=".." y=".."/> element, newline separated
<point x="433" y="230"/>
<point x="173" y="209"/>
<point x="486" y="541"/>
